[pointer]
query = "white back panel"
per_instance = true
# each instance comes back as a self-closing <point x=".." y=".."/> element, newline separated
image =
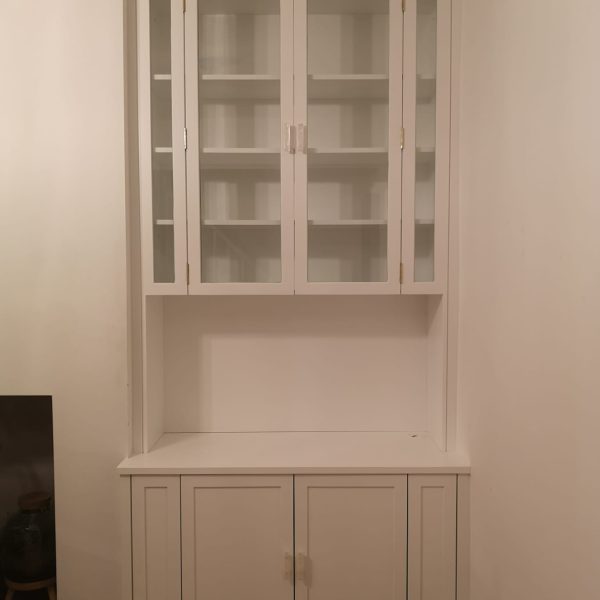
<point x="295" y="364"/>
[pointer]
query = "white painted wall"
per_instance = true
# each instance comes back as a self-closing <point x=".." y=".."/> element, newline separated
<point x="530" y="295"/>
<point x="63" y="308"/>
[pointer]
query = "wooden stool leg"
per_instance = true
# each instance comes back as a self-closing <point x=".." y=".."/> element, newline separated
<point x="51" y="593"/>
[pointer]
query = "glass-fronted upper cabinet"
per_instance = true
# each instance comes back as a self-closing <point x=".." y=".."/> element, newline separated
<point x="162" y="153"/>
<point x="348" y="99"/>
<point x="427" y="144"/>
<point x="239" y="77"/>
<point x="294" y="146"/>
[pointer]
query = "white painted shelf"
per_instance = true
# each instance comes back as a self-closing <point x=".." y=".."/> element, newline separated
<point x="347" y="223"/>
<point x="162" y="77"/>
<point x="163" y="150"/>
<point x="235" y="87"/>
<point x="164" y="222"/>
<point x="426" y="86"/>
<point x="347" y="157"/>
<point x="294" y="452"/>
<point x="332" y="86"/>
<point x="229" y="158"/>
<point x="425" y="154"/>
<point x="240" y="223"/>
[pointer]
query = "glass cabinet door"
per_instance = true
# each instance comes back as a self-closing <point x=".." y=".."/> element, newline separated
<point x="162" y="153"/>
<point x="239" y="85"/>
<point x="348" y="107"/>
<point x="426" y="154"/>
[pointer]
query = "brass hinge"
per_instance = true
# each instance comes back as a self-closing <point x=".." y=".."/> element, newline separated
<point x="403" y="5"/>
<point x="185" y="138"/>
<point x="401" y="272"/>
<point x="188" y="273"/>
<point x="402" y="139"/>
<point x="185" y="5"/>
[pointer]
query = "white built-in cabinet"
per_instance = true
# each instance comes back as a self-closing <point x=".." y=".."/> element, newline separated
<point x="288" y="442"/>
<point x="294" y="146"/>
<point x="274" y="537"/>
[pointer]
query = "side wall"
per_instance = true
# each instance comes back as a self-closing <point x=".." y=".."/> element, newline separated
<point x="63" y="308"/>
<point x="530" y="295"/>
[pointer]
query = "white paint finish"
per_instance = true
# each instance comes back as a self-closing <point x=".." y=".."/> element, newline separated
<point x="145" y="97"/>
<point x="153" y="423"/>
<point x="301" y="452"/>
<point x="126" y="538"/>
<point x="236" y="535"/>
<point x="350" y="537"/>
<point x="133" y="223"/>
<point x="431" y="537"/>
<point x="455" y="438"/>
<point x="63" y="262"/>
<point x="210" y="135"/>
<point x="299" y="364"/>
<point x="156" y="538"/>
<point x="416" y="150"/>
<point x="437" y="354"/>
<point x="346" y="132"/>
<point x="463" y="537"/>
<point x="530" y="291"/>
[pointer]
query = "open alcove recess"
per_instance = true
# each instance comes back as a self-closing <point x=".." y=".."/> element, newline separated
<point x="295" y="364"/>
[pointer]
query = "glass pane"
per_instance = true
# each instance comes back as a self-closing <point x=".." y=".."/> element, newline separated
<point x="240" y="138"/>
<point x="348" y="97"/>
<point x="425" y="140"/>
<point x="162" y="151"/>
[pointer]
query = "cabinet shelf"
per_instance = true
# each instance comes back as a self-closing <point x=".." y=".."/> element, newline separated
<point x="244" y="86"/>
<point x="163" y="150"/>
<point x="247" y="158"/>
<point x="240" y="223"/>
<point x="425" y="154"/>
<point x="348" y="86"/>
<point x="164" y="222"/>
<point x="347" y="157"/>
<point x="426" y="87"/>
<point x="162" y="77"/>
<point x="353" y="7"/>
<point x="347" y="222"/>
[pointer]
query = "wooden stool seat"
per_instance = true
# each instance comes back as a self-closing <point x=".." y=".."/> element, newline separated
<point x="46" y="584"/>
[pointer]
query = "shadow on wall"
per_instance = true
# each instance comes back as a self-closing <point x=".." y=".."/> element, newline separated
<point x="27" y="546"/>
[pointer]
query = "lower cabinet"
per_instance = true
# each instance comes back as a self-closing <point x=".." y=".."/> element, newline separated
<point x="350" y="537"/>
<point x="321" y="537"/>
<point x="237" y="538"/>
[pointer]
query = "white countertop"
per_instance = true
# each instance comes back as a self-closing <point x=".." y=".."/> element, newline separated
<point x="294" y="453"/>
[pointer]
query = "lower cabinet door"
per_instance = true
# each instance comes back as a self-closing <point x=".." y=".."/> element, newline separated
<point x="237" y="537"/>
<point x="431" y="537"/>
<point x="351" y="537"/>
<point x="155" y="537"/>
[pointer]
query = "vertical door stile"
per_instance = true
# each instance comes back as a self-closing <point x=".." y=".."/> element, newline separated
<point x="145" y="141"/>
<point x="426" y="179"/>
<point x="178" y="125"/>
<point x="287" y="158"/>
<point x="301" y="156"/>
<point x="194" y="258"/>
<point x="442" y="174"/>
<point x="409" y="152"/>
<point x="395" y="119"/>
